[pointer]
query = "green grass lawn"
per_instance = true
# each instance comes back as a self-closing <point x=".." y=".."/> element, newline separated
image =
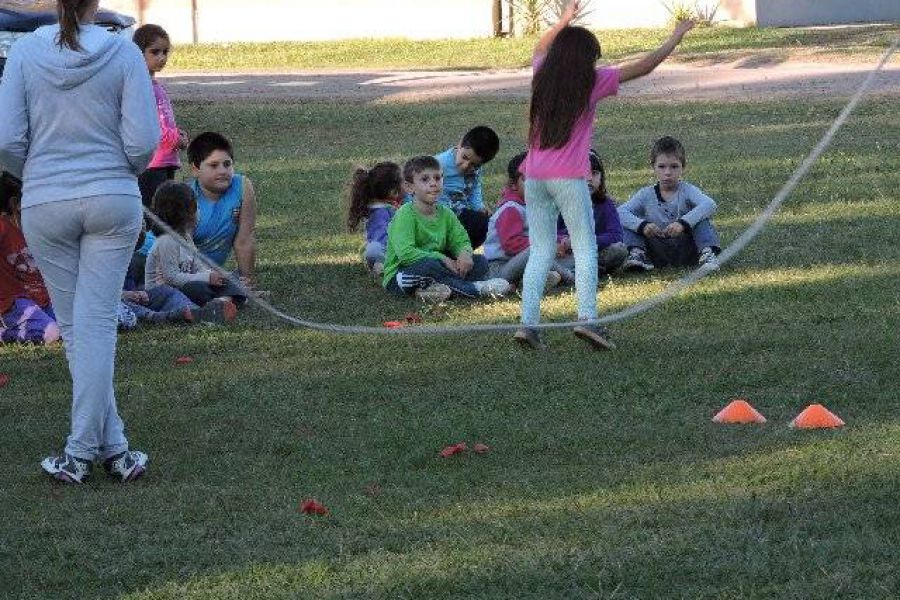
<point x="605" y="478"/>
<point x="717" y="44"/>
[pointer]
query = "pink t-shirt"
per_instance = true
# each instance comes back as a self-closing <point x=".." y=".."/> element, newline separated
<point x="166" y="154"/>
<point x="571" y="161"/>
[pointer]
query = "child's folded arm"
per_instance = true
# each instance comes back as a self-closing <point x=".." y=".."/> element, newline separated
<point x="704" y="207"/>
<point x="632" y="212"/>
<point x="511" y="231"/>
<point x="457" y="237"/>
<point x="612" y="226"/>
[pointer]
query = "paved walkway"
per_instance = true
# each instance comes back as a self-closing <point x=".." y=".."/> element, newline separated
<point x="746" y="80"/>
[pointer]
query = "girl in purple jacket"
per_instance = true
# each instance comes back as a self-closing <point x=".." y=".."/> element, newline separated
<point x="374" y="195"/>
<point x="611" y="250"/>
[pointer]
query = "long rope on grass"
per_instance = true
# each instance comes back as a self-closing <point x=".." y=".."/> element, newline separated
<point x="672" y="290"/>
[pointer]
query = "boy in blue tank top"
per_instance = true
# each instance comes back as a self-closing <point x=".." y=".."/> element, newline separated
<point x="226" y="205"/>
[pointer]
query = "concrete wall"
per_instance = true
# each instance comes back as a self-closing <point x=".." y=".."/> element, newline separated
<point x="783" y="13"/>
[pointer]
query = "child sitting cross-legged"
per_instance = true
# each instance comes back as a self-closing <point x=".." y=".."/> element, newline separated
<point x="429" y="253"/>
<point x="26" y="315"/>
<point x="174" y="262"/>
<point x="507" y="247"/>
<point x="374" y="196"/>
<point x="668" y="224"/>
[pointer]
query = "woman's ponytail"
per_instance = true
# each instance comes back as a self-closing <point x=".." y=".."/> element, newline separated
<point x="68" y="13"/>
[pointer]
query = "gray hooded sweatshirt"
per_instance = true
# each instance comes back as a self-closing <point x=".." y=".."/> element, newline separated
<point x="76" y="124"/>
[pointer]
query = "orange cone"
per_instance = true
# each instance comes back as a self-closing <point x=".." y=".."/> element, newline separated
<point x="816" y="416"/>
<point x="739" y="411"/>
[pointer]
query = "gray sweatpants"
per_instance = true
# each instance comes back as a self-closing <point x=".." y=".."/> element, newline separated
<point x="82" y="248"/>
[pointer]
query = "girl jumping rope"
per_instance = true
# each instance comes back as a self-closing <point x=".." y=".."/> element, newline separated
<point x="374" y="195"/>
<point x="566" y="88"/>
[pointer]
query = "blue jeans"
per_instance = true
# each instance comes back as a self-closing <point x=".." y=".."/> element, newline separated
<point x="82" y="248"/>
<point x="680" y="251"/>
<point x="162" y="299"/>
<point x="546" y="199"/>
<point x="430" y="270"/>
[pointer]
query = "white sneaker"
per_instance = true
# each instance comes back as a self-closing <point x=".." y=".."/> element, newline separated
<point x="708" y="259"/>
<point x="434" y="293"/>
<point x="493" y="287"/>
<point x="553" y="279"/>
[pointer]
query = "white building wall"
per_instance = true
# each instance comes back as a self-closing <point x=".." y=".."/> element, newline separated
<point x="784" y="13"/>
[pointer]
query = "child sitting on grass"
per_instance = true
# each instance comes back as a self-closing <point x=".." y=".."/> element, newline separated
<point x="374" y="196"/>
<point x="668" y="223"/>
<point x="428" y="252"/>
<point x="507" y="246"/>
<point x="171" y="263"/>
<point x="25" y="312"/>
<point x="611" y="250"/>
<point x="461" y="166"/>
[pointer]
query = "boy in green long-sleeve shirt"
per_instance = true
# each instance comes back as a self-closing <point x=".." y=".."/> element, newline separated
<point x="428" y="251"/>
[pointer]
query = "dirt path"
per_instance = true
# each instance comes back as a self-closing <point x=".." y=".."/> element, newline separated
<point x="749" y="79"/>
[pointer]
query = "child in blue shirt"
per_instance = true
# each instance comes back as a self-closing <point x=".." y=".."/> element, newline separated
<point x="374" y="195"/>
<point x="461" y="166"/>
<point x="668" y="224"/>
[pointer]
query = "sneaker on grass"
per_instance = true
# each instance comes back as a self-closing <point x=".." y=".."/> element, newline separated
<point x="434" y="293"/>
<point x="126" y="466"/>
<point x="528" y="337"/>
<point x="595" y="335"/>
<point x="67" y="468"/>
<point x="637" y="261"/>
<point x="493" y="287"/>
<point x="708" y="259"/>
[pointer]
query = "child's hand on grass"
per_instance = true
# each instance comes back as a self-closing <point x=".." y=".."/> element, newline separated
<point x="451" y="265"/>
<point x="216" y="279"/>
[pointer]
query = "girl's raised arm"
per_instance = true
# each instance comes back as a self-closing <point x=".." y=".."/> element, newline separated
<point x="651" y="60"/>
<point x="565" y="18"/>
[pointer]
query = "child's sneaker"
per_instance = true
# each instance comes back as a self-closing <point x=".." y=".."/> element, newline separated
<point x="595" y="335"/>
<point x="529" y="337"/>
<point x="126" y="466"/>
<point x="492" y="287"/>
<point x="553" y="279"/>
<point x="637" y="261"/>
<point x="67" y="468"/>
<point x="434" y="293"/>
<point x="218" y="310"/>
<point x="708" y="259"/>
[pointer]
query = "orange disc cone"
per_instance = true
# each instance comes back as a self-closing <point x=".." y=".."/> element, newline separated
<point x="816" y="416"/>
<point x="739" y="411"/>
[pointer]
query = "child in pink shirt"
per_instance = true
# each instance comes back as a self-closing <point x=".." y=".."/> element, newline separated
<point x="566" y="88"/>
<point x="154" y="42"/>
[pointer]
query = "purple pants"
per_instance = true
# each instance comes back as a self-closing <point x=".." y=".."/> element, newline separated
<point x="28" y="323"/>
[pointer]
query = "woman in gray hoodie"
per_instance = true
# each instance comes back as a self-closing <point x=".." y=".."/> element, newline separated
<point x="79" y="124"/>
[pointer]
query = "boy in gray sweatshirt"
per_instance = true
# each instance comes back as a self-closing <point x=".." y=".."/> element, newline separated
<point x="668" y="224"/>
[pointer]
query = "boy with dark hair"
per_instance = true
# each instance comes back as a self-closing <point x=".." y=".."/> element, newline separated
<point x="668" y="224"/>
<point x="226" y="205"/>
<point x="461" y="165"/>
<point x="428" y="251"/>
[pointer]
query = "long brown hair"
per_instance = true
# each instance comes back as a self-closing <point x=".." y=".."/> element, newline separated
<point x="70" y="13"/>
<point x="378" y="183"/>
<point x="561" y="88"/>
